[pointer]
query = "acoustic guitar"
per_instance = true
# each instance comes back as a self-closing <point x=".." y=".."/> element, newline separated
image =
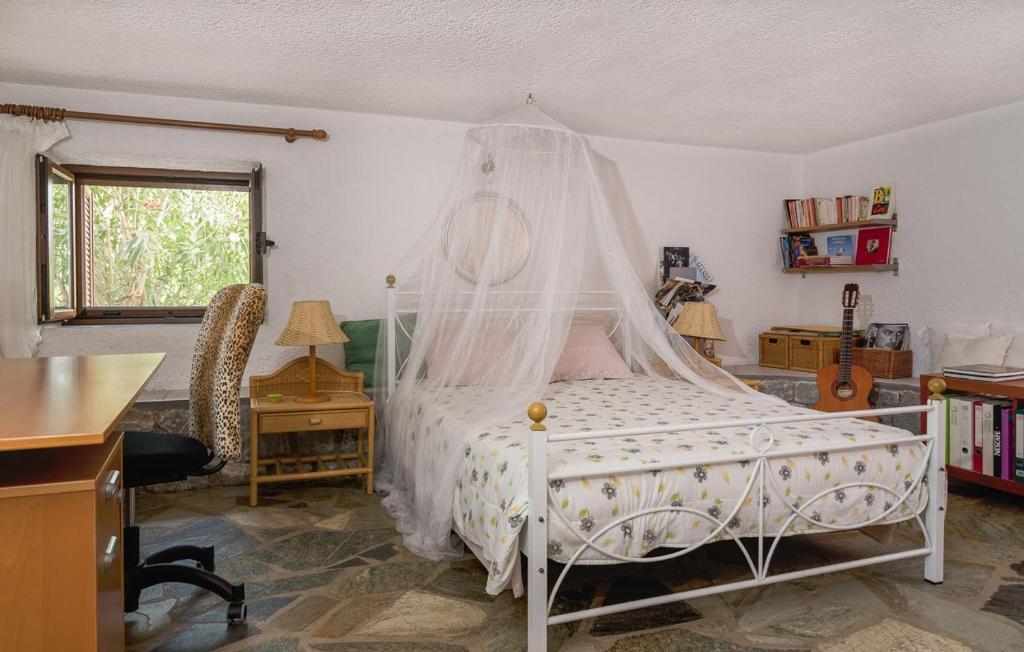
<point x="845" y="386"/>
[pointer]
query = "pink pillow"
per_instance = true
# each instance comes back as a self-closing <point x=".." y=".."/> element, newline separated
<point x="589" y="355"/>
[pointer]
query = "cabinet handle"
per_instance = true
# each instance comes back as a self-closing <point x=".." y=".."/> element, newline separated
<point x="110" y="554"/>
<point x="314" y="421"/>
<point x="110" y="486"/>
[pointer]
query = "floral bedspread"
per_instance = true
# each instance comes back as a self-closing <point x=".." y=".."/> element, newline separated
<point x="491" y="500"/>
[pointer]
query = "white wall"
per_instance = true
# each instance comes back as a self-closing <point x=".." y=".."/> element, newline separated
<point x="343" y="211"/>
<point x="959" y="188"/>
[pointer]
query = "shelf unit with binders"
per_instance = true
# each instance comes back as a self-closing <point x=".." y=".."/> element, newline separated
<point x="1012" y="391"/>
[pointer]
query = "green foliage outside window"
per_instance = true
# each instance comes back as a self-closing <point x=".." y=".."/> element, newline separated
<point x="60" y="244"/>
<point x="167" y="246"/>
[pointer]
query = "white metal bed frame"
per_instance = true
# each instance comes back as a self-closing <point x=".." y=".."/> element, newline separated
<point x="930" y="475"/>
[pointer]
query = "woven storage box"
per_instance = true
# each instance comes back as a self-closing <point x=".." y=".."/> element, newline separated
<point x="883" y="363"/>
<point x="774" y="350"/>
<point x="812" y="352"/>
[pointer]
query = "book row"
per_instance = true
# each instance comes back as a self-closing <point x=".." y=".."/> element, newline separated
<point x="823" y="211"/>
<point x="986" y="436"/>
<point x="870" y="246"/>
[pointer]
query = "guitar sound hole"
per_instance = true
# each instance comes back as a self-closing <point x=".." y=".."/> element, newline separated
<point x="844" y="391"/>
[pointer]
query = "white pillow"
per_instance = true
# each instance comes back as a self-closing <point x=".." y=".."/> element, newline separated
<point x="933" y="338"/>
<point x="1015" y="354"/>
<point x="974" y="350"/>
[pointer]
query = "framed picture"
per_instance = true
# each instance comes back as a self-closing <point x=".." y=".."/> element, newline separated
<point x="894" y="336"/>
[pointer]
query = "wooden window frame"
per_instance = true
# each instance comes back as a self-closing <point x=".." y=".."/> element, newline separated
<point x="82" y="176"/>
<point x="46" y="169"/>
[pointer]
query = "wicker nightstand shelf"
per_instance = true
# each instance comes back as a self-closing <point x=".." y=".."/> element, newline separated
<point x="347" y="409"/>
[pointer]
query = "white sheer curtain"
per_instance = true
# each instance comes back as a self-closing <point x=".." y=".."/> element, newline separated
<point x="21" y="139"/>
<point x="526" y="243"/>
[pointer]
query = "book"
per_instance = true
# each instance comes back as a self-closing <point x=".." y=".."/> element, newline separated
<point x="840" y="245"/>
<point x="961" y="427"/>
<point x="1007" y="442"/>
<point x="978" y="454"/>
<point x="988" y="437"/>
<point x="997" y="441"/>
<point x="1018" y="446"/>
<point x="985" y="372"/>
<point x="787" y="260"/>
<point x="840" y="260"/>
<point x="883" y="203"/>
<point x="983" y="379"/>
<point x="812" y="261"/>
<point x="873" y="245"/>
<point x="673" y="257"/>
<point x="1000" y="434"/>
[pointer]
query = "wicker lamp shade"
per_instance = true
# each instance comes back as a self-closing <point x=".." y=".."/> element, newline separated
<point x="311" y="323"/>
<point x="699" y="319"/>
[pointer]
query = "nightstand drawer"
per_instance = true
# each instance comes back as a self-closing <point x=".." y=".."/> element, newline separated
<point x="300" y="421"/>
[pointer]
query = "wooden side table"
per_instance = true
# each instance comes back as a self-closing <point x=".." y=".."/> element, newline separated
<point x="349" y="408"/>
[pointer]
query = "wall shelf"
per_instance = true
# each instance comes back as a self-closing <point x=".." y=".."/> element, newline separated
<point x="893" y="267"/>
<point x="861" y="224"/>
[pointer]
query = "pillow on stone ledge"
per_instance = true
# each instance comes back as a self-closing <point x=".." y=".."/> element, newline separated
<point x="977" y="350"/>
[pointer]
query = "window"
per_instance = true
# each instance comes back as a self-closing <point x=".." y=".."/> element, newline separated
<point x="135" y="245"/>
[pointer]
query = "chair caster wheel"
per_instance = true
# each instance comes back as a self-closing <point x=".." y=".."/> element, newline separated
<point x="236" y="613"/>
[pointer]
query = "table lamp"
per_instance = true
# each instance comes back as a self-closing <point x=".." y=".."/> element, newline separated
<point x="309" y="324"/>
<point x="699" y="320"/>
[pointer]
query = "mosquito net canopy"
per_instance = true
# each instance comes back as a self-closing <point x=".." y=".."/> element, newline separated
<point x="525" y="246"/>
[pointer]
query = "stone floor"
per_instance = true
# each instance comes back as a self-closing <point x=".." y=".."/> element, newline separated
<point x="325" y="571"/>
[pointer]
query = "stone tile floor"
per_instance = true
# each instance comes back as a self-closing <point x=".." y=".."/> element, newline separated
<point x="325" y="571"/>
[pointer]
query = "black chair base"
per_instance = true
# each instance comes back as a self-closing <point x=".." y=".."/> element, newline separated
<point x="160" y="567"/>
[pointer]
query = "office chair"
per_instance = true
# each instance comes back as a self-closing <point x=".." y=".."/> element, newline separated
<point x="215" y="437"/>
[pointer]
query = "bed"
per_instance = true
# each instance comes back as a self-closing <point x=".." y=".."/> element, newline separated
<point x="642" y="469"/>
<point x="492" y="494"/>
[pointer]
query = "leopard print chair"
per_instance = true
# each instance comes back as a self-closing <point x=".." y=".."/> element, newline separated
<point x="214" y="437"/>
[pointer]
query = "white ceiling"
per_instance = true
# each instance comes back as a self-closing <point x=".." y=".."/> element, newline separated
<point x="762" y="75"/>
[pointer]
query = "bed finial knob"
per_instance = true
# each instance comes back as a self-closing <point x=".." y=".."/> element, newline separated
<point x="937" y="387"/>
<point x="390" y="280"/>
<point x="537" y="413"/>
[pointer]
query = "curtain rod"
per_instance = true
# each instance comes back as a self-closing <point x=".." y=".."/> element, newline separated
<point x="54" y="114"/>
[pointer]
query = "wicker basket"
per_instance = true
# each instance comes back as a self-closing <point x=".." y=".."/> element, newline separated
<point x="810" y="352"/>
<point x="774" y="350"/>
<point x="883" y="363"/>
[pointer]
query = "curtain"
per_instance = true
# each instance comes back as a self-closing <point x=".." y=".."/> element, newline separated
<point x="526" y="244"/>
<point x="20" y="139"/>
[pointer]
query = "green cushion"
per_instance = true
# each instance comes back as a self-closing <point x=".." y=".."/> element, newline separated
<point x="361" y="349"/>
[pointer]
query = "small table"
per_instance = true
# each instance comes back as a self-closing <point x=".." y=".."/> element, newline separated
<point x="345" y="410"/>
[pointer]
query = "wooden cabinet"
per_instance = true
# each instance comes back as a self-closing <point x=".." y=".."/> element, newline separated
<point x="60" y="552"/>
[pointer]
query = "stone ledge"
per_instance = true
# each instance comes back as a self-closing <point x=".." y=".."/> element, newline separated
<point x="799" y="388"/>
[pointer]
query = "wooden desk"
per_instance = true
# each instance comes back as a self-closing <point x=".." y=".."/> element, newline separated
<point x="345" y="410"/>
<point x="60" y="508"/>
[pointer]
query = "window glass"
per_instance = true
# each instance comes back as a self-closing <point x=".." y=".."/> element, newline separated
<point x="161" y="247"/>
<point x="60" y="243"/>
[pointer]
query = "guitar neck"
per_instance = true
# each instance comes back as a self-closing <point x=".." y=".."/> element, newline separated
<point x="846" y="347"/>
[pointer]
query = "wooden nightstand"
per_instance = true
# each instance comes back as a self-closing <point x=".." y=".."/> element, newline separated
<point x="350" y="409"/>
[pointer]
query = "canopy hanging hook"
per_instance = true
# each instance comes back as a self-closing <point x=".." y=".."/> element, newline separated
<point x="529" y="99"/>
